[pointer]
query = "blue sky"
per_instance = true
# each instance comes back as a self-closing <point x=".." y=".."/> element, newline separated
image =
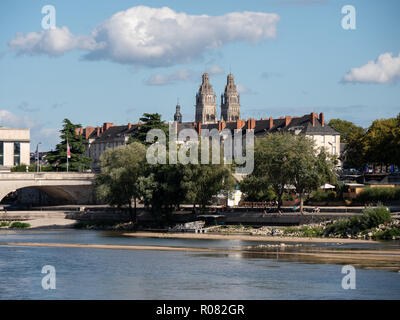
<point x="292" y="58"/>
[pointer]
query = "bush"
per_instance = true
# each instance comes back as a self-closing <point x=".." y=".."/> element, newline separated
<point x="21" y="168"/>
<point x="320" y="195"/>
<point x="4" y="224"/>
<point x="288" y="197"/>
<point x="378" y="194"/>
<point x="387" y="234"/>
<point x="20" y="225"/>
<point x="371" y="218"/>
<point x="311" y="231"/>
<point x="31" y="168"/>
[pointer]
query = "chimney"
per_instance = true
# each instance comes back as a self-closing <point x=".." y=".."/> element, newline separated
<point x="199" y="128"/>
<point x="129" y="126"/>
<point x="98" y="131"/>
<point x="251" y="123"/>
<point x="88" y="132"/>
<point x="221" y="125"/>
<point x="240" y="124"/>
<point x="322" y="119"/>
<point x="271" y="122"/>
<point x="107" y="125"/>
<point x="287" y="120"/>
<point x="313" y="118"/>
<point x="77" y="131"/>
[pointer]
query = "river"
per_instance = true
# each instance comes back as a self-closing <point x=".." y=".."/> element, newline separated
<point x="88" y="273"/>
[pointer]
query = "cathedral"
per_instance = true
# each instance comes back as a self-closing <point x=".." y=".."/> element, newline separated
<point x="206" y="103"/>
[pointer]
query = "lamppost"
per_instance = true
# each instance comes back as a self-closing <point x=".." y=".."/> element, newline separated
<point x="38" y="157"/>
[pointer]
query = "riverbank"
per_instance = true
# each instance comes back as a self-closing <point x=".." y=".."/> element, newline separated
<point x="213" y="236"/>
<point x="45" y="223"/>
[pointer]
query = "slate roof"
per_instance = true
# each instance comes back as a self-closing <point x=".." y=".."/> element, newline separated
<point x="302" y="125"/>
<point x="112" y="133"/>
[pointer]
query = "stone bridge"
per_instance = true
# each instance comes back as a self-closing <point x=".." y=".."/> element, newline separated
<point x="64" y="187"/>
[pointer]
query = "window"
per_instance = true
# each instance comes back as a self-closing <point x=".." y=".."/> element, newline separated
<point x="333" y="150"/>
<point x="17" y="153"/>
<point x="1" y="153"/>
<point x="323" y="139"/>
<point x="334" y="139"/>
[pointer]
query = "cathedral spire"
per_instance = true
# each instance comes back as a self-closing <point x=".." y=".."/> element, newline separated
<point x="230" y="100"/>
<point x="206" y="105"/>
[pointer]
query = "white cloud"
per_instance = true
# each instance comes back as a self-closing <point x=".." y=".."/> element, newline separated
<point x="161" y="80"/>
<point x="152" y="36"/>
<point x="384" y="70"/>
<point x="53" y="42"/>
<point x="49" y="137"/>
<point x="242" y="89"/>
<point x="214" y="70"/>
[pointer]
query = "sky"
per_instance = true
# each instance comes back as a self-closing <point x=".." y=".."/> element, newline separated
<point x="112" y="61"/>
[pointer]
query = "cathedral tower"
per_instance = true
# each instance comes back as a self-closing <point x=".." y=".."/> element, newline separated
<point x="230" y="101"/>
<point x="206" y="102"/>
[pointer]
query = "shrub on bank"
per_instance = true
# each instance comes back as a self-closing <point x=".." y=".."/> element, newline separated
<point x="378" y="194"/>
<point x="19" y="225"/>
<point x="388" y="234"/>
<point x="308" y="231"/>
<point x="371" y="218"/>
<point x="4" y="224"/>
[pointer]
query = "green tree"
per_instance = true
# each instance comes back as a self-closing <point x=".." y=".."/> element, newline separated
<point x="271" y="167"/>
<point x="309" y="168"/>
<point x="162" y="189"/>
<point x="149" y="121"/>
<point x="380" y="142"/>
<point x="118" y="183"/>
<point x="58" y="158"/>
<point x="352" y="135"/>
<point x="256" y="189"/>
<point x="205" y="181"/>
<point x="284" y="159"/>
<point x="347" y="129"/>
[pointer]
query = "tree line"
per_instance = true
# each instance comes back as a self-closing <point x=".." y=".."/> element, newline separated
<point x="378" y="145"/>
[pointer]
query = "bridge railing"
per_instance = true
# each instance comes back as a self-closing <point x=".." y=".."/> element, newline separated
<point x="45" y="175"/>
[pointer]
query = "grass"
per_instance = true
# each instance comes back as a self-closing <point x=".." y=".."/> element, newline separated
<point x="19" y="225"/>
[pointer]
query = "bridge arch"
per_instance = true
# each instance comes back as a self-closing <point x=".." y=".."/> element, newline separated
<point x="72" y="187"/>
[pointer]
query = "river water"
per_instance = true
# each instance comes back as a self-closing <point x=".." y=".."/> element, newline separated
<point x="87" y="273"/>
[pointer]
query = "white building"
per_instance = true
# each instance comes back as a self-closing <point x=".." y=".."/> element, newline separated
<point x="14" y="147"/>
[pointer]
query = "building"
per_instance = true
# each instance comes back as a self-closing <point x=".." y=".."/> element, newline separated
<point x="14" y="147"/>
<point x="230" y="101"/>
<point x="206" y="102"/>
<point x="311" y="125"/>
<point x="104" y="137"/>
